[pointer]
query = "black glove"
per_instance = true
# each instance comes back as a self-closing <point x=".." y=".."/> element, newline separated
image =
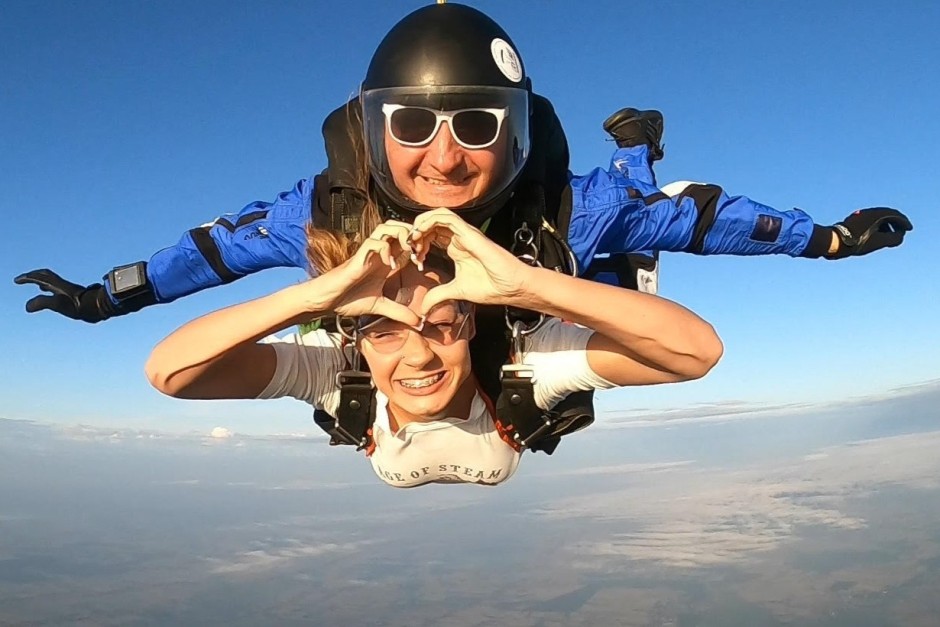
<point x="868" y="230"/>
<point x="89" y="303"/>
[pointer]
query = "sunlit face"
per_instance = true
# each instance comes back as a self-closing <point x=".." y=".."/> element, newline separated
<point x="423" y="380"/>
<point x="443" y="173"/>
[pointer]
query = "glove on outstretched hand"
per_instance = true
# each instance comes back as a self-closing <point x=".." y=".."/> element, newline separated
<point x="868" y="230"/>
<point x="89" y="303"/>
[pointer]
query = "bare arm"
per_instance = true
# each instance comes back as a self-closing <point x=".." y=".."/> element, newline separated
<point x="217" y="356"/>
<point x="639" y="338"/>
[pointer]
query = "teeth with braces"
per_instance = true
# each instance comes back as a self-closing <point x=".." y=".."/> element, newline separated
<point x="421" y="383"/>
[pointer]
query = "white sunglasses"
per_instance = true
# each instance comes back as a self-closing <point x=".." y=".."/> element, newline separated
<point x="471" y="128"/>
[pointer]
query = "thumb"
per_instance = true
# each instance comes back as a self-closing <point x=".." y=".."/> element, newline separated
<point x="893" y="239"/>
<point x="901" y="222"/>
<point x="881" y="240"/>
<point x="891" y="220"/>
<point x="439" y="294"/>
<point x="884" y="232"/>
<point x="57" y="303"/>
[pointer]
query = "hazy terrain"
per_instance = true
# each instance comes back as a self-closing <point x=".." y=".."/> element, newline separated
<point x="795" y="516"/>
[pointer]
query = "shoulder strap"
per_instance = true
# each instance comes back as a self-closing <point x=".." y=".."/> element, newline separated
<point x="355" y="414"/>
<point x="513" y="391"/>
<point x="340" y="129"/>
<point x="548" y="156"/>
<point x="339" y="200"/>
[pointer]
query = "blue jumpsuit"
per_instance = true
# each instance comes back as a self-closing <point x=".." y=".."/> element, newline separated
<point x="614" y="211"/>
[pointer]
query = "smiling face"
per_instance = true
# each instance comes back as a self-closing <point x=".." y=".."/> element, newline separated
<point x="460" y="147"/>
<point x="423" y="379"/>
<point x="443" y="173"/>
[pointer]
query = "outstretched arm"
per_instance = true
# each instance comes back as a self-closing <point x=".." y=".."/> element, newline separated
<point x="218" y="355"/>
<point x="738" y="225"/>
<point x="612" y="214"/>
<point x="262" y="235"/>
<point x="639" y="338"/>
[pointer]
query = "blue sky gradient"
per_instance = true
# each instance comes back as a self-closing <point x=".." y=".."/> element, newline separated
<point x="122" y="125"/>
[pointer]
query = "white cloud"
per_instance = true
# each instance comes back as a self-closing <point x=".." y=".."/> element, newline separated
<point x="32" y="430"/>
<point x="264" y="559"/>
<point x="221" y="433"/>
<point x="617" y="469"/>
<point x="732" y="410"/>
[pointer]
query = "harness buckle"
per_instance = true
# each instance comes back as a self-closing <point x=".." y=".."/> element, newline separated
<point x="517" y="402"/>
<point x="354" y="377"/>
<point x="354" y="414"/>
<point x="517" y="372"/>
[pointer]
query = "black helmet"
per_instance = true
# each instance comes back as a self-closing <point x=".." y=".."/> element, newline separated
<point x="440" y="61"/>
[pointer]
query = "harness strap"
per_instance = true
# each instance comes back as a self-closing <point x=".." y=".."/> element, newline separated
<point x="505" y="431"/>
<point x="516" y="402"/>
<point x="338" y="209"/>
<point x="532" y="427"/>
<point x="356" y="410"/>
<point x="355" y="414"/>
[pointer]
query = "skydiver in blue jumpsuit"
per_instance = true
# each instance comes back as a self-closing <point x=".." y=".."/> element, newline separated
<point x="618" y="214"/>
<point x="615" y="211"/>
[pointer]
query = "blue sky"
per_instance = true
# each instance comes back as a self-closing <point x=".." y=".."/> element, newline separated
<point x="124" y="124"/>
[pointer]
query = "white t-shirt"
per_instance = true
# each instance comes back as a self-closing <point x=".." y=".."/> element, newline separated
<point x="449" y="450"/>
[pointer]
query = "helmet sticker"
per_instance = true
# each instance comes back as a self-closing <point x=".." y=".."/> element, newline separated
<point x="506" y="59"/>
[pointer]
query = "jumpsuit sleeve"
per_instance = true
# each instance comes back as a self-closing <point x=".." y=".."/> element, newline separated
<point x="612" y="214"/>
<point x="262" y="235"/>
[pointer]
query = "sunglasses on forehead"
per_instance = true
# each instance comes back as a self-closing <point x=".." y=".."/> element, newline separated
<point x="471" y="128"/>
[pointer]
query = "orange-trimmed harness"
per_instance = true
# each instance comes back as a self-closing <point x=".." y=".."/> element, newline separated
<point x="519" y="421"/>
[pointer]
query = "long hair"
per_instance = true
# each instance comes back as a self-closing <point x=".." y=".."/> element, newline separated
<point x="326" y="248"/>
